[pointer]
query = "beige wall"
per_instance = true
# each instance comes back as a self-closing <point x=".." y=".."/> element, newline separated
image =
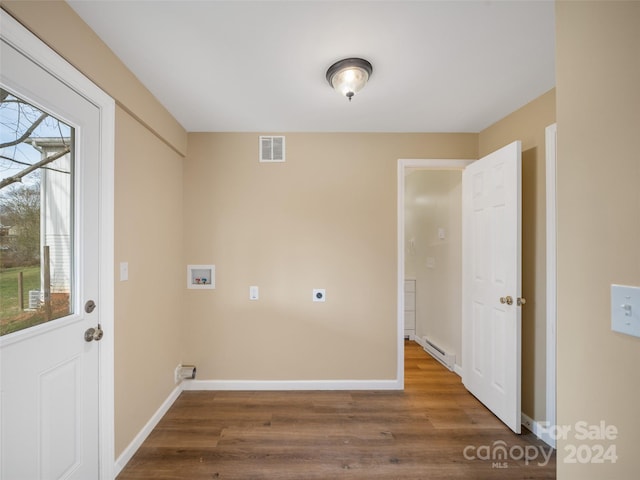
<point x="148" y="310"/>
<point x="528" y="125"/>
<point x="326" y="218"/>
<point x="433" y="200"/>
<point x="598" y="74"/>
<point x="148" y="215"/>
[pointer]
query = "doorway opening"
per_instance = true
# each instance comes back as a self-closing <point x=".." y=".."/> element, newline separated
<point x="423" y="256"/>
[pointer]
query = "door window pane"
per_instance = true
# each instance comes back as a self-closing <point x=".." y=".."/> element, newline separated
<point x="36" y="215"/>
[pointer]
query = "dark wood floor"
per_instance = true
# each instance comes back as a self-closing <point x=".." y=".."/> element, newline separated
<point x="433" y="430"/>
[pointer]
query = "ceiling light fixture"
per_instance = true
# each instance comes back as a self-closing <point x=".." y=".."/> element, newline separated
<point x="349" y="76"/>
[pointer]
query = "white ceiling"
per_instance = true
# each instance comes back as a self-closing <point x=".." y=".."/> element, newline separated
<point x="259" y="66"/>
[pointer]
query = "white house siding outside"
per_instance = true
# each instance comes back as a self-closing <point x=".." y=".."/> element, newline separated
<point x="56" y="212"/>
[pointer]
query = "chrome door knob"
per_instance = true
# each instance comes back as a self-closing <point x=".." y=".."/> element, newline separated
<point x="92" y="334"/>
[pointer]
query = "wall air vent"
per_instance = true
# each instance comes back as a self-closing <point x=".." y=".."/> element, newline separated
<point x="272" y="149"/>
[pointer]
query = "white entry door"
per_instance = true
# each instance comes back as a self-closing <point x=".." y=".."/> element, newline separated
<point x="491" y="286"/>
<point x="49" y="358"/>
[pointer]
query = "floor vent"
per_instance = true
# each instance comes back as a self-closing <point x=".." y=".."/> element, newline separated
<point x="447" y="359"/>
<point x="272" y="149"/>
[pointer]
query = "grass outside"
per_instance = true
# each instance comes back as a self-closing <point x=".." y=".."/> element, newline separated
<point x="12" y="318"/>
<point x="9" y="306"/>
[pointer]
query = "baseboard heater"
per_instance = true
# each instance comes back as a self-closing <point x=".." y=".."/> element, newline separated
<point x="446" y="359"/>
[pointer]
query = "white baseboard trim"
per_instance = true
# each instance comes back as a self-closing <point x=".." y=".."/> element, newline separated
<point x="135" y="444"/>
<point x="264" y="385"/>
<point x="458" y="369"/>
<point x="537" y="429"/>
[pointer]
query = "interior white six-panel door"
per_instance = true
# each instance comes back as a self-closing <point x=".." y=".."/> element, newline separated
<point x="491" y="338"/>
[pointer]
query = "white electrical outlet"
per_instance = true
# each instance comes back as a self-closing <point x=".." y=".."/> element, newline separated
<point x="319" y="295"/>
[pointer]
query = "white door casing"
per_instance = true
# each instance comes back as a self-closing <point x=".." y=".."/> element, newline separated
<point x="551" y="136"/>
<point x="491" y="259"/>
<point x="56" y="404"/>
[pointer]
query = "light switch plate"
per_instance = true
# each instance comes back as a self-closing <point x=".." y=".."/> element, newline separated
<point x="625" y="309"/>
<point x="124" y="271"/>
<point x="254" y="293"/>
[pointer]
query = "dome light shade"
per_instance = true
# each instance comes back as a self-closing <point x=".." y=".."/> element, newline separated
<point x="349" y="76"/>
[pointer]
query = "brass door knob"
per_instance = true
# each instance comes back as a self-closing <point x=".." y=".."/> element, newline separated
<point x="508" y="300"/>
